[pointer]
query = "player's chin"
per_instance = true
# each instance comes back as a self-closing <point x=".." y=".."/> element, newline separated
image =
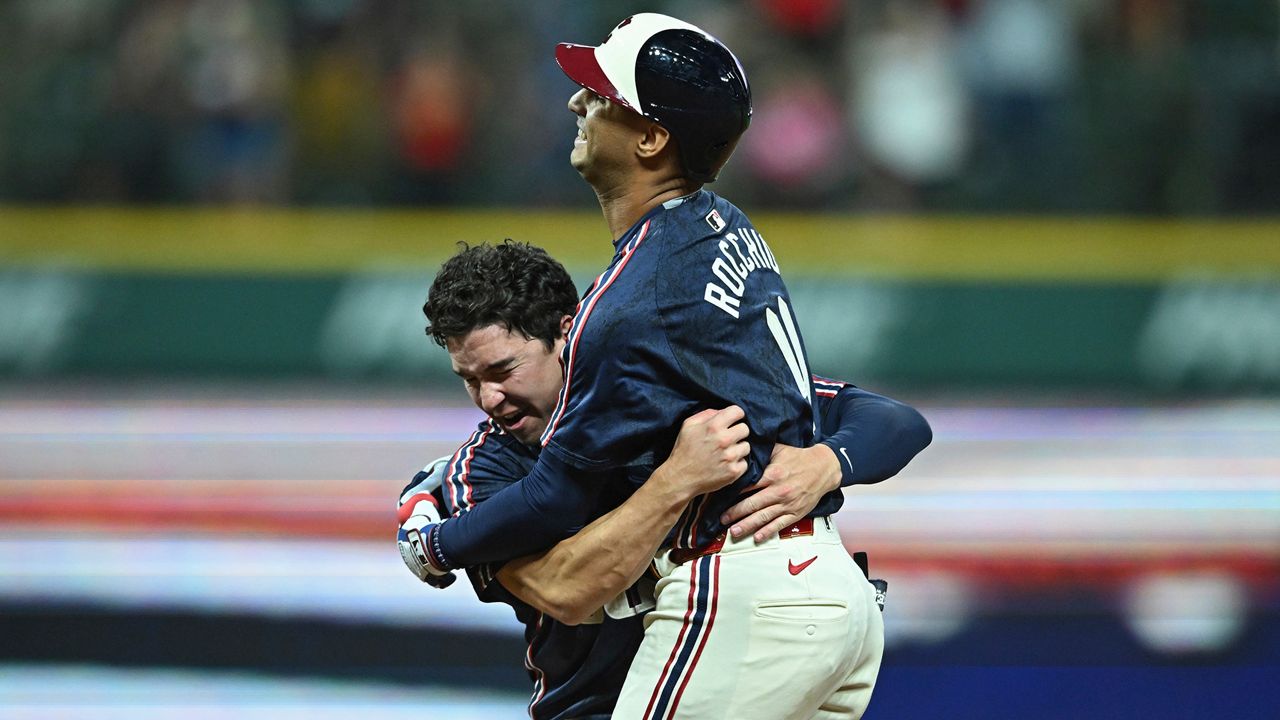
<point x="528" y="433"/>
<point x="523" y="427"/>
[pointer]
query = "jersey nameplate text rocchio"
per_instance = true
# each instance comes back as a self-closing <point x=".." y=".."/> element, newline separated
<point x="740" y="255"/>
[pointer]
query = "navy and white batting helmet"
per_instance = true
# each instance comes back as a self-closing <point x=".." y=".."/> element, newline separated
<point x="676" y="75"/>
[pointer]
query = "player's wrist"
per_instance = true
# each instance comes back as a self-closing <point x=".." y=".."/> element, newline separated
<point x="832" y="469"/>
<point x="419" y="538"/>
<point x="435" y="553"/>
<point x="665" y="491"/>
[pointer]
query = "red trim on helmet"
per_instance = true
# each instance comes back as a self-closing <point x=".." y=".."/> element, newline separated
<point x="580" y="64"/>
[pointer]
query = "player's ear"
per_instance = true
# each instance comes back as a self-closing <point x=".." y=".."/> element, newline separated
<point x="565" y="322"/>
<point x="654" y="140"/>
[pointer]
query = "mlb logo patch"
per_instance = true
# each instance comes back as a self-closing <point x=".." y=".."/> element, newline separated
<point x="713" y="219"/>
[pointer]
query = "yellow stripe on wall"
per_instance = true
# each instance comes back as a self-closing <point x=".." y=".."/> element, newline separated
<point x="324" y="241"/>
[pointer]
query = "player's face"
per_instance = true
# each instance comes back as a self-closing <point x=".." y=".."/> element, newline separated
<point x="512" y="378"/>
<point x="606" y="132"/>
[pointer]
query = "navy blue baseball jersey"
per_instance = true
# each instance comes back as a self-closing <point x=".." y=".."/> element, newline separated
<point x="578" y="671"/>
<point x="692" y="313"/>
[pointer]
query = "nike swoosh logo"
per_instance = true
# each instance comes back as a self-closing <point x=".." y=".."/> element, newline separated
<point x="797" y="569"/>
<point x="846" y="458"/>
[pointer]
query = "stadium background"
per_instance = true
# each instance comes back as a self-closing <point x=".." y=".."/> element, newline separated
<point x="1050" y="224"/>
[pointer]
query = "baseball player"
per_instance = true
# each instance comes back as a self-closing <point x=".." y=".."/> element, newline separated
<point x="481" y="306"/>
<point x="691" y="314"/>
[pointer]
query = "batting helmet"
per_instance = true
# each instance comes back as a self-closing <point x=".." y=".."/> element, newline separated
<point x="677" y="76"/>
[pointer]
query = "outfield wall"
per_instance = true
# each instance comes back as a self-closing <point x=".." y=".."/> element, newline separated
<point x="1147" y="305"/>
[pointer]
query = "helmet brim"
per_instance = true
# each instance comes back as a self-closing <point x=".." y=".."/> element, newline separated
<point x="579" y="63"/>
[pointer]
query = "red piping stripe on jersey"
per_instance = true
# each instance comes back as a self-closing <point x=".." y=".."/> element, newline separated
<point x="697" y="507"/>
<point x="580" y="321"/>
<point x="686" y="517"/>
<point x="460" y="468"/>
<point x="826" y="387"/>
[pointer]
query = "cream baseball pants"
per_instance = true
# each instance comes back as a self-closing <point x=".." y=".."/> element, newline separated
<point x="784" y="629"/>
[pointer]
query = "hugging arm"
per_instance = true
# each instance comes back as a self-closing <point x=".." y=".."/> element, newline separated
<point x="875" y="436"/>
<point x="868" y="438"/>
<point x="556" y="500"/>
<point x="551" y="503"/>
<point x="580" y="574"/>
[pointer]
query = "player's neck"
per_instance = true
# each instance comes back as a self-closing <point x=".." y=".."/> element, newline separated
<point x="625" y="204"/>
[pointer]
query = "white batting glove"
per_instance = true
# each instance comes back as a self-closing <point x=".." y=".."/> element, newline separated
<point x="428" y="480"/>
<point x="419" y="514"/>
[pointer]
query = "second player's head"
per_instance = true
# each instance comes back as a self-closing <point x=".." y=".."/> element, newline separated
<point x="655" y="70"/>
<point x="502" y="312"/>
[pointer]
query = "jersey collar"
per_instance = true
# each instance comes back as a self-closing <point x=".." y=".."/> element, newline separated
<point x="668" y="205"/>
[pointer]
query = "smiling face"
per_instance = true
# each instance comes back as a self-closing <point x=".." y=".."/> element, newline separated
<point x="514" y="379"/>
<point x="607" y="135"/>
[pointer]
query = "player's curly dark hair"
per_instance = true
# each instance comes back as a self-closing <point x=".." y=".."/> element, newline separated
<point x="512" y="284"/>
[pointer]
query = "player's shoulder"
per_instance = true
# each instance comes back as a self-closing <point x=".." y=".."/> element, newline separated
<point x="487" y="461"/>
<point x="490" y="442"/>
<point x="699" y="216"/>
<point x="725" y="208"/>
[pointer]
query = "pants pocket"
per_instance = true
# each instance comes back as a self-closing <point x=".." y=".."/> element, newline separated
<point x="803" y="611"/>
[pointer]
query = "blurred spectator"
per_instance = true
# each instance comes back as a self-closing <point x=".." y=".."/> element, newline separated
<point x="1139" y="110"/>
<point x="340" y="128"/>
<point x="1139" y="106"/>
<point x="797" y="143"/>
<point x="433" y="100"/>
<point x="908" y="106"/>
<point x="53" y="80"/>
<point x="1019" y="61"/>
<point x="804" y="18"/>
<point x="232" y="145"/>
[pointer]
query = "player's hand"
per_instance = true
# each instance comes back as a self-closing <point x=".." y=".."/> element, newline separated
<point x="710" y="452"/>
<point x="418" y="515"/>
<point x="427" y="480"/>
<point x="791" y="486"/>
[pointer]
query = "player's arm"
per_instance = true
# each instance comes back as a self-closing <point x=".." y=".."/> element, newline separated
<point x="580" y="574"/>
<point x="868" y="438"/>
<point x="549" y="504"/>
<point x="454" y="485"/>
<point x="555" y="500"/>
<point x="872" y="436"/>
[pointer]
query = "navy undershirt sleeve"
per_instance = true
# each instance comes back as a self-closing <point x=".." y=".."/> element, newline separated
<point x="873" y="436"/>
<point x="553" y="502"/>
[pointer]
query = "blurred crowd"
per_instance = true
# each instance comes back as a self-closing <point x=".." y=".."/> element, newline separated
<point x="1060" y="106"/>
